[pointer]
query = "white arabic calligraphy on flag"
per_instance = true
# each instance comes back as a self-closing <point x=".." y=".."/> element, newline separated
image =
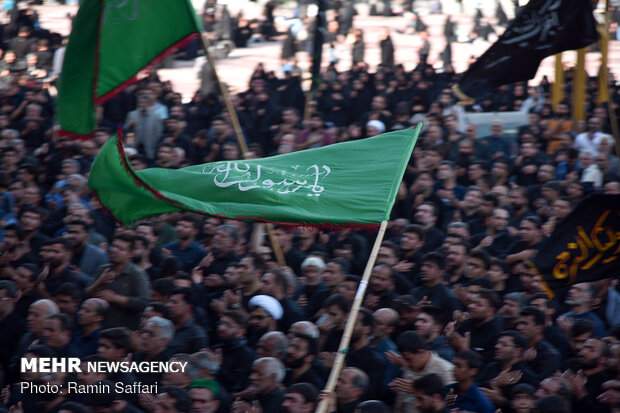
<point x="247" y="177"/>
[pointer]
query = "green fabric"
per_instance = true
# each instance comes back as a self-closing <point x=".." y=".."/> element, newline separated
<point x="110" y="43"/>
<point x="352" y="183"/>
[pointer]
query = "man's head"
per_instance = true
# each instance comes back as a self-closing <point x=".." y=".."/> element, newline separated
<point x="77" y="233"/>
<point x="57" y="331"/>
<point x="38" y="312"/>
<point x="382" y="280"/>
<point x="430" y="392"/>
<point x="172" y="399"/>
<point x="272" y="344"/>
<point x="57" y="252"/>
<point x="467" y="365"/>
<point x="457" y="255"/>
<point x="426" y="214"/>
<point x="430" y="322"/>
<point x="114" y="343"/>
<point x="300" y="398"/>
<point x="155" y="335"/>
<point x="231" y="326"/>
<point x="204" y="395"/>
<point x="267" y="373"/>
<point x="120" y="249"/>
<point x="484" y="306"/>
<point x="351" y="385"/>
<point x="531" y="324"/>
<point x="181" y="303"/>
<point x="301" y="352"/>
<point x="509" y="347"/>
<point x="337" y="309"/>
<point x="335" y="272"/>
<point x="92" y="312"/>
<point x="385" y="321"/>
<point x="187" y="227"/>
<point x="432" y="269"/>
<point x="312" y="270"/>
<point x="580" y="295"/>
<point x="594" y="354"/>
<point x="413" y="349"/>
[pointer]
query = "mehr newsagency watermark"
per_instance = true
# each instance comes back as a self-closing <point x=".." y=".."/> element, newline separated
<point x="72" y="365"/>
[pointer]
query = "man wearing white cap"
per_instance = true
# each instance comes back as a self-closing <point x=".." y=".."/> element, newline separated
<point x="264" y="313"/>
<point x="374" y="128"/>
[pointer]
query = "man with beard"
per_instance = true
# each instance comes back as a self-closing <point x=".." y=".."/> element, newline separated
<point x="495" y="240"/>
<point x="86" y="256"/>
<point x="510" y="310"/>
<point x="334" y="274"/>
<point x="519" y="202"/>
<point x="429" y="324"/>
<point x="411" y="243"/>
<point x="267" y="374"/>
<point x="189" y="337"/>
<point x="153" y="345"/>
<point x="312" y="293"/>
<point x="331" y="324"/>
<point x="265" y="311"/>
<point x="186" y="249"/>
<point x="481" y="330"/>
<point x="587" y="382"/>
<point x="237" y="357"/>
<point x="90" y="316"/>
<point x="433" y="288"/>
<point x="426" y="215"/>
<point x="272" y="344"/>
<point x="222" y="252"/>
<point x="31" y="219"/>
<point x="381" y="292"/>
<point x="498" y="378"/>
<point x="299" y="361"/>
<point x="124" y="285"/>
<point x="56" y="256"/>
<point x="579" y="300"/>
<point x="142" y="256"/>
<point x="456" y="261"/>
<point x="541" y="357"/>
<point x="529" y="242"/>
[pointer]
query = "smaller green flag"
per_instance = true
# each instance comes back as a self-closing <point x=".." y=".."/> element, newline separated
<point x="346" y="184"/>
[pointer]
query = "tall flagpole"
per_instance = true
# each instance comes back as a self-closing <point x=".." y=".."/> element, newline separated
<point x="352" y="320"/>
<point x="240" y="138"/>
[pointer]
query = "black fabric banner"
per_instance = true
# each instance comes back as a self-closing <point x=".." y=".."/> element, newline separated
<point x="585" y="246"/>
<point x="542" y="28"/>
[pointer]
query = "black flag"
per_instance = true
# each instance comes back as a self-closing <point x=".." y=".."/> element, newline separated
<point x="584" y="247"/>
<point x="542" y="28"/>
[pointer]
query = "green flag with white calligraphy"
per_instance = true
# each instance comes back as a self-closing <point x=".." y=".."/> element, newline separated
<point x="346" y="184"/>
<point x="584" y="247"/>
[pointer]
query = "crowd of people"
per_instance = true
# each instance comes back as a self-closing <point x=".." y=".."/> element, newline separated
<point x="452" y="321"/>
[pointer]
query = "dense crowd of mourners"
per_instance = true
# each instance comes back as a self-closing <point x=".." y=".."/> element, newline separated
<point x="452" y="319"/>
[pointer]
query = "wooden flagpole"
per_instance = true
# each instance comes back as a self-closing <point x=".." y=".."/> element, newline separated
<point x="351" y="321"/>
<point x="240" y="138"/>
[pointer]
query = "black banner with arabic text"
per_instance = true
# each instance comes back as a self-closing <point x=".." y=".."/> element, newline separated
<point x="585" y="246"/>
<point x="542" y="28"/>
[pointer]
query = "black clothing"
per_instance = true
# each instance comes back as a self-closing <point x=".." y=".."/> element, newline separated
<point x="271" y="402"/>
<point x="483" y="337"/>
<point x="236" y="364"/>
<point x="190" y="338"/>
<point x="439" y="296"/>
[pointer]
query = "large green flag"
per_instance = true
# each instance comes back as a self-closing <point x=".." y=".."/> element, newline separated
<point x="111" y="41"/>
<point x="346" y="184"/>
